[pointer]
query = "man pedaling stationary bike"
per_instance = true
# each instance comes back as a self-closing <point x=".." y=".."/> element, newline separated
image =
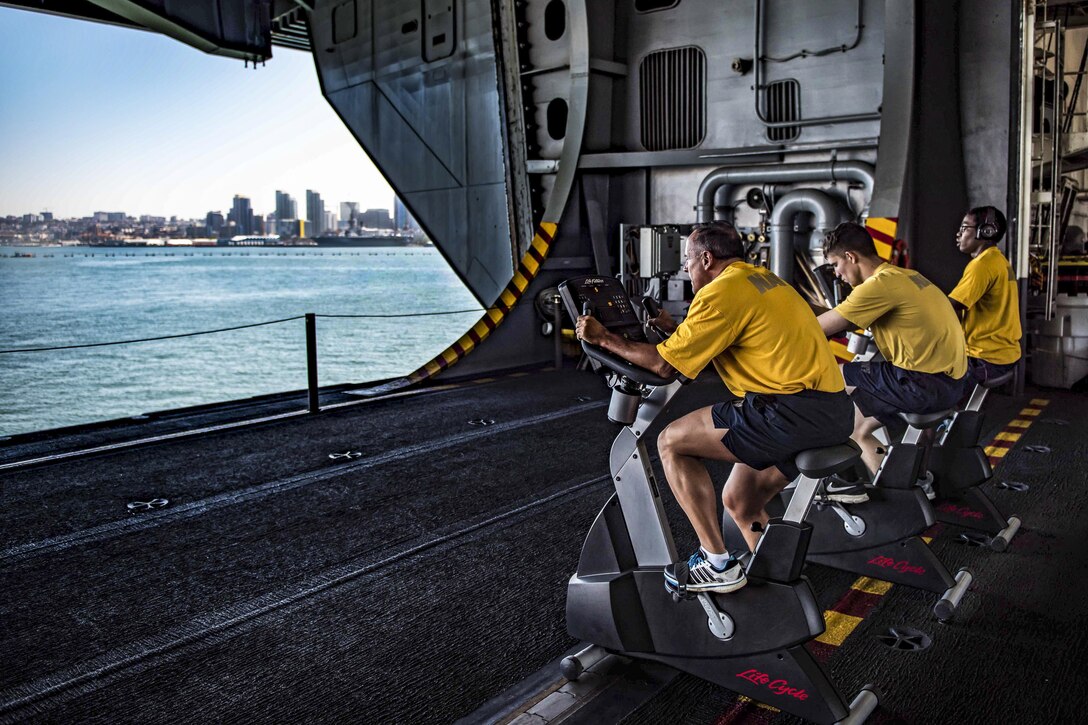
<point x="770" y="352"/>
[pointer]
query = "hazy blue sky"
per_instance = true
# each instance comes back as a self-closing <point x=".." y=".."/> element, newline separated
<point x="95" y="117"/>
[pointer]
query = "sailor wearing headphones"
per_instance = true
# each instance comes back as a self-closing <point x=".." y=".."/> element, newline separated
<point x="986" y="297"/>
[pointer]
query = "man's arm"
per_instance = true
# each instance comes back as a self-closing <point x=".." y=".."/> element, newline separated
<point x="642" y="354"/>
<point x="832" y="323"/>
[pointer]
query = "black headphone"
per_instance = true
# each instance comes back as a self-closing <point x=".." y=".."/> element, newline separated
<point x="987" y="228"/>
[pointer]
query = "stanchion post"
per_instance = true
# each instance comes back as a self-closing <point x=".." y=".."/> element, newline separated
<point x="557" y="321"/>
<point x="311" y="361"/>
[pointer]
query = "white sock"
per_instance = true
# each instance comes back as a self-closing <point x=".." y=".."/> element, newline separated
<point x="716" y="560"/>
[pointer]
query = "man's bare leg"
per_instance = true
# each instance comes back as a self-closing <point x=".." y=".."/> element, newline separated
<point x="746" y="495"/>
<point x="872" y="450"/>
<point x="682" y="444"/>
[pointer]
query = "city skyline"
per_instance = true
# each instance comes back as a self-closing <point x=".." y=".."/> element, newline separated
<point x="98" y="117"/>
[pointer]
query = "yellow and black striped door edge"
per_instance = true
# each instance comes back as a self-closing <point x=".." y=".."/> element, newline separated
<point x="527" y="270"/>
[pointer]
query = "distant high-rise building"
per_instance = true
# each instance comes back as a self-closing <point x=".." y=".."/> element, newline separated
<point x="213" y="222"/>
<point x="47" y="216"/>
<point x="402" y="220"/>
<point x="330" y="221"/>
<point x="286" y="208"/>
<point x="242" y="214"/>
<point x="315" y="213"/>
<point x="349" y="212"/>
<point x="376" y="219"/>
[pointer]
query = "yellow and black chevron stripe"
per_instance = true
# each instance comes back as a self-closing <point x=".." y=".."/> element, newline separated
<point x="527" y="270"/>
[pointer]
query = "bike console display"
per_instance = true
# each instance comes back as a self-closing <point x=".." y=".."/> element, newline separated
<point x="605" y="299"/>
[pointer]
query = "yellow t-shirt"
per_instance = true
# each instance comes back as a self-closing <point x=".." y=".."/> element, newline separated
<point x="758" y="332"/>
<point x="992" y="323"/>
<point x="913" y="323"/>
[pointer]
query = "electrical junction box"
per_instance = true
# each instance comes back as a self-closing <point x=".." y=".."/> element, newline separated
<point x="658" y="251"/>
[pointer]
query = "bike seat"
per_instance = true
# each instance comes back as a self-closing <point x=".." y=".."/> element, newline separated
<point x="924" y="421"/>
<point x="821" y="462"/>
<point x="998" y="381"/>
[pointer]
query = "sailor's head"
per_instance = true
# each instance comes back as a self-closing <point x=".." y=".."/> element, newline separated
<point x="982" y="226"/>
<point x="846" y="247"/>
<point x="708" y="247"/>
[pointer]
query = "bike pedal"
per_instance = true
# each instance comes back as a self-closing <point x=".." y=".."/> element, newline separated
<point x="678" y="594"/>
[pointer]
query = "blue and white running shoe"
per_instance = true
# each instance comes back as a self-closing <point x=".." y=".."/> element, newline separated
<point x="699" y="575"/>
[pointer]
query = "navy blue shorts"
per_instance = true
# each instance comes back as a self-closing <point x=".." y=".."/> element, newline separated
<point x="769" y="430"/>
<point x="882" y="391"/>
<point x="979" y="371"/>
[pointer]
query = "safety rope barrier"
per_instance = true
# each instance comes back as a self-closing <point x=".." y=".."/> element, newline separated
<point x="229" y="329"/>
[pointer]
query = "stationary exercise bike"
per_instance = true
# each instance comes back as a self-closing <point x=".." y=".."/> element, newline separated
<point x="751" y="640"/>
<point x="880" y="537"/>
<point x="958" y="467"/>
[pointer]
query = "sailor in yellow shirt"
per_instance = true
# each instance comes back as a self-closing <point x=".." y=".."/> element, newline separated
<point x="915" y="328"/>
<point x="768" y="350"/>
<point x="987" y="297"/>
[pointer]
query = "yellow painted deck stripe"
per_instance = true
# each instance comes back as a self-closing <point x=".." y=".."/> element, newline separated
<point x="871" y="586"/>
<point x="1019" y="423"/>
<point x="1003" y="436"/>
<point x="838" y="627"/>
<point x="749" y="701"/>
<point x="927" y="539"/>
<point x="884" y="251"/>
<point x="1031" y="411"/>
<point x="1039" y="401"/>
<point x="996" y="451"/>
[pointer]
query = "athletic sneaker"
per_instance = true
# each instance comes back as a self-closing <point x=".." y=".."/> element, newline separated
<point x="840" y="491"/>
<point x="702" y="576"/>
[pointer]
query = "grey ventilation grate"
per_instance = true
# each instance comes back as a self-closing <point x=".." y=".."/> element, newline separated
<point x="672" y="99"/>
<point x="783" y="104"/>
<point x="905" y="639"/>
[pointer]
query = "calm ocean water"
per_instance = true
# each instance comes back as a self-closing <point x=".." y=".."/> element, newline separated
<point x="68" y="296"/>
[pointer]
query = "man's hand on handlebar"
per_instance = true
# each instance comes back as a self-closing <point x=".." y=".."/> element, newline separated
<point x="664" y="322"/>
<point x="587" y="328"/>
<point x="642" y="354"/>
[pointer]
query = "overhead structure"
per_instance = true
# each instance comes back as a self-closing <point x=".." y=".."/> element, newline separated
<point x="535" y="139"/>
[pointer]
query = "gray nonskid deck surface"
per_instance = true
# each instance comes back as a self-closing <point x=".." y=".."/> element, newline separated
<point x="410" y="590"/>
<point x="114" y="610"/>
<point x="71" y="496"/>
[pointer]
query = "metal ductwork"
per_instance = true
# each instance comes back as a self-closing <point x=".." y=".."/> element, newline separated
<point x="826" y="213"/>
<point x="721" y="181"/>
